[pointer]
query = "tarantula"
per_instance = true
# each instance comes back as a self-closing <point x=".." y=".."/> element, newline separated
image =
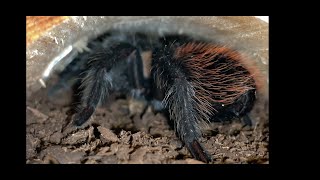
<point x="194" y="80"/>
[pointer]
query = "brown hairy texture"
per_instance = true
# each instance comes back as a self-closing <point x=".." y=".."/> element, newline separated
<point x="216" y="85"/>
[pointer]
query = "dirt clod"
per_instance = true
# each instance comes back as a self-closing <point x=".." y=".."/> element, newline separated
<point x="76" y="138"/>
<point x="56" y="138"/>
<point x="108" y="135"/>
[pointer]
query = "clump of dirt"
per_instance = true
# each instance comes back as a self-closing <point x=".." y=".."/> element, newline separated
<point x="116" y="136"/>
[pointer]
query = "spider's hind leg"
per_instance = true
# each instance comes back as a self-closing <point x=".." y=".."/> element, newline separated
<point x="105" y="73"/>
<point x="239" y="109"/>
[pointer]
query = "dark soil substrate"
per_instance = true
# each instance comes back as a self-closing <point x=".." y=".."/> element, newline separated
<point x="115" y="136"/>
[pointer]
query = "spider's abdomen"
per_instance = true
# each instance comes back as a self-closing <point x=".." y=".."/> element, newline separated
<point x="223" y="82"/>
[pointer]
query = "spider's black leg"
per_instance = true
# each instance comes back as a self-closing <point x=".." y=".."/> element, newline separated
<point x="242" y="106"/>
<point x="136" y="71"/>
<point x="239" y="109"/>
<point x="181" y="101"/>
<point x="135" y="77"/>
<point x="103" y="75"/>
<point x="246" y="120"/>
<point x="139" y="66"/>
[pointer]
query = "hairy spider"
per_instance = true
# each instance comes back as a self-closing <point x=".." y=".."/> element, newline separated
<point x="195" y="81"/>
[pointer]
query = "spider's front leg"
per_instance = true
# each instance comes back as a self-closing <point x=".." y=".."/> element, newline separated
<point x="105" y="73"/>
<point x="183" y="105"/>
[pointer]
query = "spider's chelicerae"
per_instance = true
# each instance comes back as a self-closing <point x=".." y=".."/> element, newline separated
<point x="195" y="81"/>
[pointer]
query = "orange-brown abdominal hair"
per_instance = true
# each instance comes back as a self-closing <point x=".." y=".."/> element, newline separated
<point x="218" y="74"/>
